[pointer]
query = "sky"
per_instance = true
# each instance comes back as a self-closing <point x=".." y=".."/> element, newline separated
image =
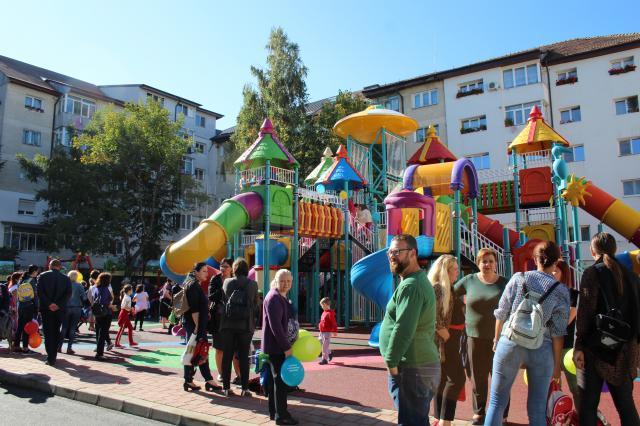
<point x="203" y="50"/>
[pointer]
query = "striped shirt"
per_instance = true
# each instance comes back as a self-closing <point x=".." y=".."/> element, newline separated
<point x="555" y="307"/>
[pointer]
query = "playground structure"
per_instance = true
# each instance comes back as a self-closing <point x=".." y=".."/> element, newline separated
<point x="439" y="198"/>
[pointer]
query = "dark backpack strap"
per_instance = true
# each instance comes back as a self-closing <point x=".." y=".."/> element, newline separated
<point x="525" y="290"/>
<point x="548" y="292"/>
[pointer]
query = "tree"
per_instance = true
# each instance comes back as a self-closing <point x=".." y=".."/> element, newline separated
<point x="345" y="103"/>
<point x="281" y="95"/>
<point x="120" y="181"/>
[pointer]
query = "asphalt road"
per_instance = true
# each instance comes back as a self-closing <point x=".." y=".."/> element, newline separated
<point x="30" y="408"/>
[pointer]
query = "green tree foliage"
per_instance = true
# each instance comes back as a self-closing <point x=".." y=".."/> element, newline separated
<point x="120" y="181"/>
<point x="281" y="95"/>
<point x="345" y="103"/>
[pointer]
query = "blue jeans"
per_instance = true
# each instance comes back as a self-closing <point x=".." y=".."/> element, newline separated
<point x="506" y="362"/>
<point x="70" y="322"/>
<point x="412" y="390"/>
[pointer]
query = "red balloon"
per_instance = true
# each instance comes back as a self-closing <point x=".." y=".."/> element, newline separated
<point x="31" y="327"/>
<point x="35" y="340"/>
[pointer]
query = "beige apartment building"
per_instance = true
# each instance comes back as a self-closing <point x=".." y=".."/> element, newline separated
<point x="40" y="109"/>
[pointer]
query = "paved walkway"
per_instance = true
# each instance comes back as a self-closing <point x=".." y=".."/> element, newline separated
<point x="132" y="389"/>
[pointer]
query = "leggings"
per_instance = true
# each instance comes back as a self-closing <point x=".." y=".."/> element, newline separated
<point x="590" y="387"/>
<point x="139" y="317"/>
<point x="452" y="378"/>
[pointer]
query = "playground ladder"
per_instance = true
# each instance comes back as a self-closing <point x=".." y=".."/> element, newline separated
<point x="472" y="241"/>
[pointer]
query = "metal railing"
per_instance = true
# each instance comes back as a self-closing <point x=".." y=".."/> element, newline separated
<point x="469" y="248"/>
<point x="249" y="239"/>
<point x="538" y="215"/>
<point x="361" y="233"/>
<point x="304" y="244"/>
<point x="328" y="197"/>
<point x="257" y="176"/>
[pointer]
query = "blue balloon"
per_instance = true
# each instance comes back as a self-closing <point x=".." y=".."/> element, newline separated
<point x="292" y="371"/>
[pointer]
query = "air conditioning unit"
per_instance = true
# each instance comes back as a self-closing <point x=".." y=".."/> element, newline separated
<point x="493" y="86"/>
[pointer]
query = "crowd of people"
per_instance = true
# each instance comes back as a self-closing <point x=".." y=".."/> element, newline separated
<point x="438" y="329"/>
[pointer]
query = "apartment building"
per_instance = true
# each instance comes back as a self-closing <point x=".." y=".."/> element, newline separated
<point x="40" y="108"/>
<point x="586" y="88"/>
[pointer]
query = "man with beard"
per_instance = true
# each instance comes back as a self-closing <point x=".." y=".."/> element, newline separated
<point x="407" y="335"/>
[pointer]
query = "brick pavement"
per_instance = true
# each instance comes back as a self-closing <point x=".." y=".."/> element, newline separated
<point x="155" y="393"/>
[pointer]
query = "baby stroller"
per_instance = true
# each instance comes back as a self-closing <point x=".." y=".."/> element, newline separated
<point x="7" y="328"/>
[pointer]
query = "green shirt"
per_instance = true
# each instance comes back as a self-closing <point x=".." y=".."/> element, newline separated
<point x="408" y="328"/>
<point x="482" y="299"/>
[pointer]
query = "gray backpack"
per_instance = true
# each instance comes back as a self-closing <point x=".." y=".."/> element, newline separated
<point x="525" y="325"/>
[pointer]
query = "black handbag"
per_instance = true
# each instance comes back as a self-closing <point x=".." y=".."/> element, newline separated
<point x="612" y="331"/>
<point x="98" y="309"/>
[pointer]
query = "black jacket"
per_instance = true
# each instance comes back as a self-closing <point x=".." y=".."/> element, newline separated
<point x="53" y="287"/>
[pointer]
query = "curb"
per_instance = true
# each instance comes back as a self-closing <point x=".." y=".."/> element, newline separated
<point x="133" y="406"/>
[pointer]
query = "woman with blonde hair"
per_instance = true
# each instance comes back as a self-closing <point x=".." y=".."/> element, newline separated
<point x="275" y="318"/>
<point x="483" y="291"/>
<point x="449" y="327"/>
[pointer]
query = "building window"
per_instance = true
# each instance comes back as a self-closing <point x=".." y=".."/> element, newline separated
<point x="520" y="76"/>
<point x="62" y="136"/>
<point x="119" y="248"/>
<point x="630" y="146"/>
<point x="155" y="98"/>
<point x="195" y="222"/>
<point x="199" y="174"/>
<point x="474" y="124"/>
<point x="187" y="166"/>
<point x="471" y="88"/>
<point x="31" y="137"/>
<point x="480" y="161"/>
<point x="185" y="221"/>
<point x="421" y="133"/>
<point x="631" y="187"/>
<point x="621" y="66"/>
<point x="33" y="103"/>
<point x="570" y="115"/>
<point x="516" y="115"/>
<point x="79" y="106"/>
<point x="23" y="239"/>
<point x="567" y="77"/>
<point x="627" y="105"/>
<point x="576" y="154"/>
<point x="26" y="207"/>
<point x="392" y="104"/>
<point x="200" y="120"/>
<point x="585" y="233"/>
<point x="199" y="147"/>
<point x="427" y="98"/>
<point x="182" y="109"/>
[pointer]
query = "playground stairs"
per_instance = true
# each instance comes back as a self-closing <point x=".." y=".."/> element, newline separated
<point x="472" y="241"/>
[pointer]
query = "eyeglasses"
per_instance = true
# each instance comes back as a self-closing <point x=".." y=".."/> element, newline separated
<point x="396" y="252"/>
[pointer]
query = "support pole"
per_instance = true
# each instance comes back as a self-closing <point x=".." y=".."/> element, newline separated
<point x="576" y="236"/>
<point x="339" y="285"/>
<point x="316" y="287"/>
<point x="507" y="252"/>
<point x="516" y="188"/>
<point x="600" y="227"/>
<point x="457" y="243"/>
<point x="347" y="260"/>
<point x="295" y="290"/>
<point x="474" y="223"/>
<point x="267" y="227"/>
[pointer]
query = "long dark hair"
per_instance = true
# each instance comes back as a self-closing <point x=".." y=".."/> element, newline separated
<point x="28" y="272"/>
<point x="104" y="279"/>
<point x="604" y="245"/>
<point x="547" y="253"/>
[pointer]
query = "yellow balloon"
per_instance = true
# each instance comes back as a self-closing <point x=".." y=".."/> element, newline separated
<point x="79" y="277"/>
<point x="568" y="362"/>
<point x="343" y="195"/>
<point x="524" y="376"/>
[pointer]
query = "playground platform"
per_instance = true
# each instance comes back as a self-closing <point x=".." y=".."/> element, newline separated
<point x="352" y="390"/>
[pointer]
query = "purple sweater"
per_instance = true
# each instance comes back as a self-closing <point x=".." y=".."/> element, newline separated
<point x="275" y="323"/>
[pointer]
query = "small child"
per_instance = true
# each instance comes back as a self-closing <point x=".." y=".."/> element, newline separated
<point x="328" y="327"/>
<point x="124" y="320"/>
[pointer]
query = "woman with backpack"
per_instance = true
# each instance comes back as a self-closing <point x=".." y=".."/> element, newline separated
<point x="27" y="306"/>
<point x="608" y="301"/>
<point x="238" y="324"/>
<point x="102" y="308"/>
<point x="540" y="348"/>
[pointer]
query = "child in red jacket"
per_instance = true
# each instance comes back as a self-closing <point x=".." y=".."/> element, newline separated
<point x="328" y="327"/>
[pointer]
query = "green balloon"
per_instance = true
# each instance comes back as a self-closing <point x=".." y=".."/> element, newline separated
<point x="306" y="348"/>
<point x="303" y="333"/>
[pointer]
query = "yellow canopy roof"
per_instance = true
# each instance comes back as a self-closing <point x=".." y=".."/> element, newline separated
<point x="365" y="125"/>
<point x="536" y="136"/>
